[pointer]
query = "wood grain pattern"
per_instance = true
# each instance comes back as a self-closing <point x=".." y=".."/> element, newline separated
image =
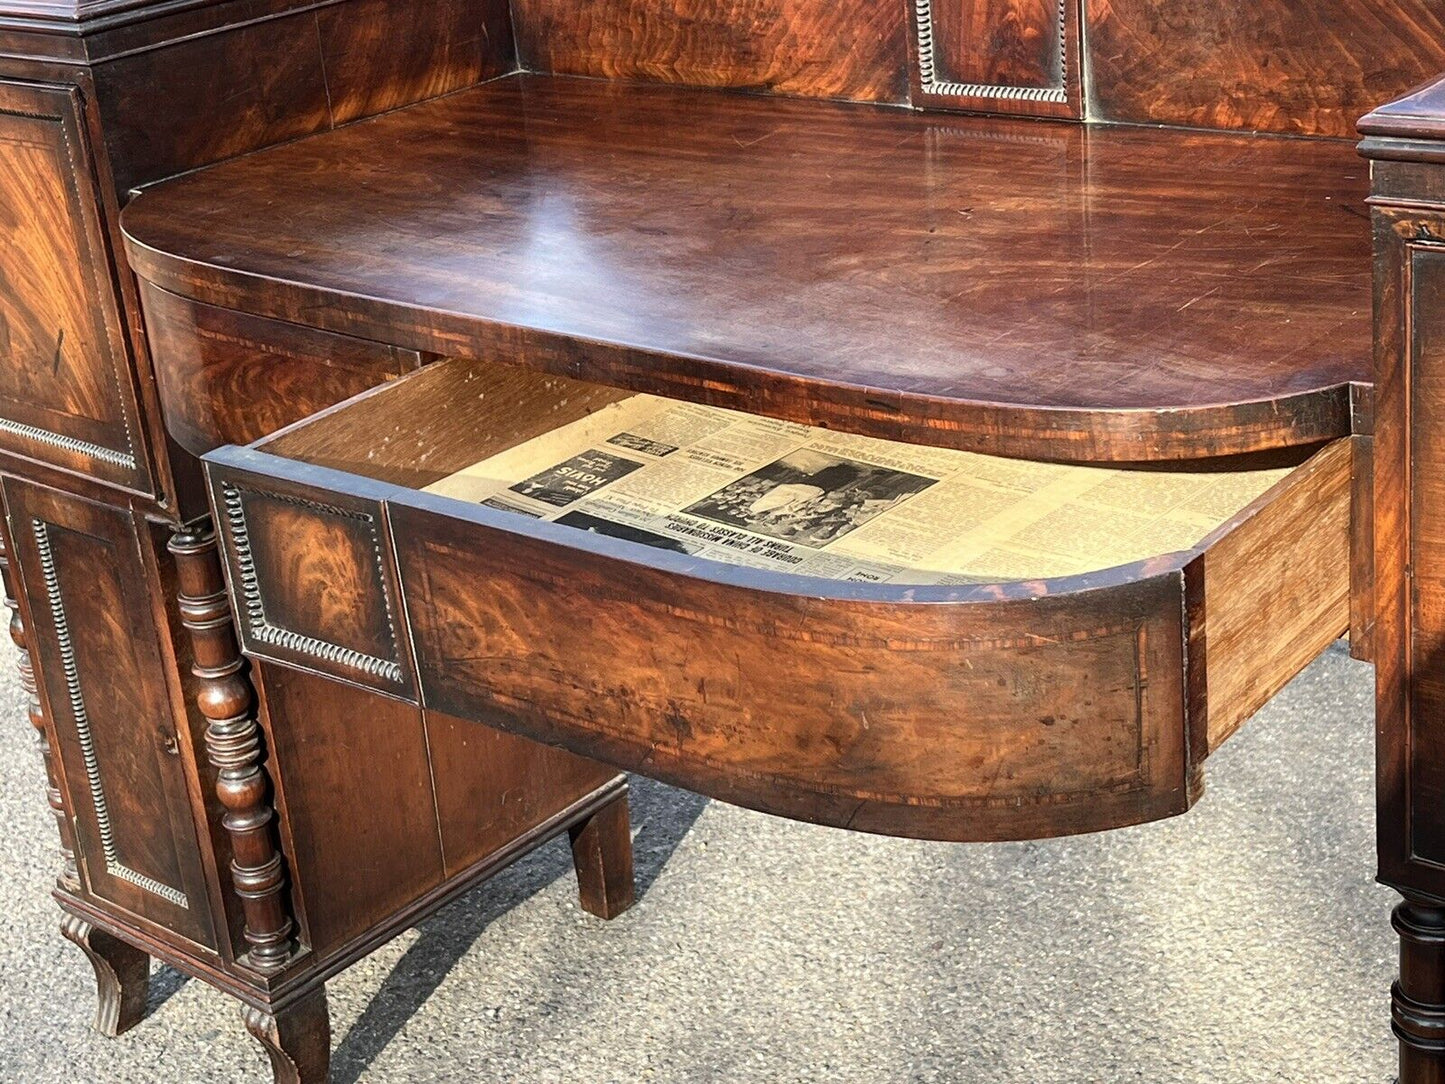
<point x="1278" y="589"/>
<point x="230" y="378"/>
<point x="380" y="55"/>
<point x="313" y="583"/>
<point x="1266" y="65"/>
<point x="987" y="284"/>
<point x="1362" y="551"/>
<point x="66" y="391"/>
<point x="261" y="83"/>
<point x="493" y="787"/>
<point x="999" y="56"/>
<point x="818" y="48"/>
<point x="359" y="803"/>
<point x="906" y="720"/>
<point x="994" y="711"/>
<point x="1012" y="43"/>
<point x="97" y="648"/>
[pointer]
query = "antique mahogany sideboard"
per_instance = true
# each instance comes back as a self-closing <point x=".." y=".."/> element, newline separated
<point x="289" y="700"/>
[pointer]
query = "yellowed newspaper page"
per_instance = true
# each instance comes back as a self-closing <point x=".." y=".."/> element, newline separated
<point x="755" y="491"/>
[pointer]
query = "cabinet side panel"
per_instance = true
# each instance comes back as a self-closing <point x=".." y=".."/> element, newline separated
<point x="96" y="642"/>
<point x="358" y="802"/>
<point x="1425" y="338"/>
<point x="493" y="787"/>
<point x="66" y="394"/>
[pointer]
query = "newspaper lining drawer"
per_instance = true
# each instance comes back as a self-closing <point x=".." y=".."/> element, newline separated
<point x="1008" y="709"/>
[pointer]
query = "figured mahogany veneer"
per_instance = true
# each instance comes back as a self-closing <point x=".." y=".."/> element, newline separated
<point x="1008" y="710"/>
<point x="1028" y="289"/>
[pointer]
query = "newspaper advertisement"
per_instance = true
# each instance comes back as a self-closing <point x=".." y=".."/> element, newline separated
<point x="748" y="490"/>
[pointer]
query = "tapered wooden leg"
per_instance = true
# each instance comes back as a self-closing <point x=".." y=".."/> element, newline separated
<point x="297" y="1038"/>
<point x="122" y="976"/>
<point x="1419" y="995"/>
<point x="602" y="854"/>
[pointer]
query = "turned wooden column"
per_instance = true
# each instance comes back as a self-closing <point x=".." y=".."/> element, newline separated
<point x="1418" y="1009"/>
<point x="234" y="746"/>
<point x="69" y="871"/>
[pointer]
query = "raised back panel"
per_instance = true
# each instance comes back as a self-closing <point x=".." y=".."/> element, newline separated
<point x="818" y="48"/>
<point x="65" y="387"/>
<point x="1311" y="68"/>
<point x="1256" y="65"/>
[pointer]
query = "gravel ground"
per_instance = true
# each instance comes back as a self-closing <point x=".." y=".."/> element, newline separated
<point x="1244" y="942"/>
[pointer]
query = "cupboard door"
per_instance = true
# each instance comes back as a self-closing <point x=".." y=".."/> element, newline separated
<point x="67" y="396"/>
<point x="95" y="641"/>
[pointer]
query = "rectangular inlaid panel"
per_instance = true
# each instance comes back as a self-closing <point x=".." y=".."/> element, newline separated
<point x="816" y="48"/>
<point x="1271" y="65"/>
<point x="1426" y="341"/>
<point x="998" y="56"/>
<point x="66" y="393"/>
<point x="311" y="576"/>
<point x="100" y="660"/>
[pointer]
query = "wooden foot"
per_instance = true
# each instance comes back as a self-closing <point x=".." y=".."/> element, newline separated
<point x="602" y="854"/>
<point x="1419" y="995"/>
<point x="297" y="1038"/>
<point x="122" y="976"/>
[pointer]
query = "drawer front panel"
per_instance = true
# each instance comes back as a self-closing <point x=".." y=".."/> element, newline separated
<point x="312" y="581"/>
<point x="67" y="396"/>
<point x="97" y="647"/>
<point x="946" y="720"/>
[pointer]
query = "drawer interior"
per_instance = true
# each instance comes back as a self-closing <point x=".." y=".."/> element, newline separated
<point x="1059" y="650"/>
<point x="741" y="489"/>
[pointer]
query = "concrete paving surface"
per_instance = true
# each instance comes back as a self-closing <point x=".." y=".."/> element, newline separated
<point x="1242" y="943"/>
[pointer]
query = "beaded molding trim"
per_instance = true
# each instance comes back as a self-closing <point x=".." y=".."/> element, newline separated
<point x="110" y="855"/>
<point x="260" y="627"/>
<point x="69" y="444"/>
<point x="931" y="84"/>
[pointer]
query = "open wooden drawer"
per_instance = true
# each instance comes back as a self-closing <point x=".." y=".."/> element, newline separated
<point x="1018" y="708"/>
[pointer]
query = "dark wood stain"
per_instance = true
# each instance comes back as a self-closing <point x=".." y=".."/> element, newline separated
<point x="825" y="263"/>
<point x="1266" y="65"/>
<point x="817" y="48"/>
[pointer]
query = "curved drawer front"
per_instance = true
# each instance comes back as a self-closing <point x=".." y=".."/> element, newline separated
<point x="1007" y="711"/>
<point x="966" y="711"/>
<point x="948" y="719"/>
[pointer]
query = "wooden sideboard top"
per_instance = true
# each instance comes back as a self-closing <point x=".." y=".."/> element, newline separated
<point x="1024" y="287"/>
